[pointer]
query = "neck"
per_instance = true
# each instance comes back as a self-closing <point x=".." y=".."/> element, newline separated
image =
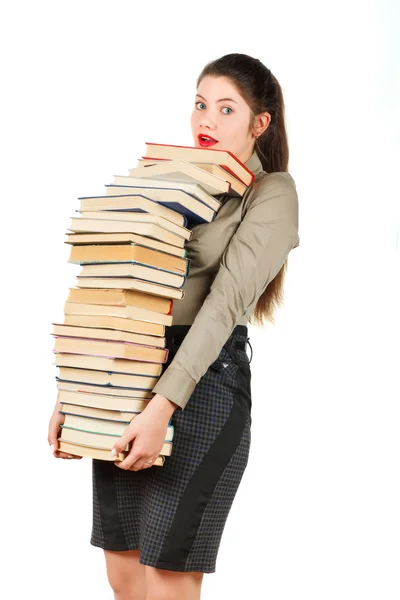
<point x="247" y="156"/>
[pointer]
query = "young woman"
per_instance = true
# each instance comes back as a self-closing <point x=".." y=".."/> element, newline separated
<point x="161" y="527"/>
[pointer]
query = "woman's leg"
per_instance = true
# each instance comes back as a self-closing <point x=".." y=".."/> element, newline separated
<point x="162" y="584"/>
<point x="126" y="575"/>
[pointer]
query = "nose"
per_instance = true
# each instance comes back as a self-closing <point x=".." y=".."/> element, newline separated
<point x="206" y="121"/>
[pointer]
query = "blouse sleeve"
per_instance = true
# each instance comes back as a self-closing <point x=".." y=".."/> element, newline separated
<point x="254" y="256"/>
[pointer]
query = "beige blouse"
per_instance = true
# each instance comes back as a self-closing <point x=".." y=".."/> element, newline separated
<point x="232" y="260"/>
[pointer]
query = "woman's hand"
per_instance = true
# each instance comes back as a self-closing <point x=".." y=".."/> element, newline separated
<point x="147" y="430"/>
<point x="54" y="431"/>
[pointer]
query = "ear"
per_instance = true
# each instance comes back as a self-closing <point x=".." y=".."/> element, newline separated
<point x="261" y="123"/>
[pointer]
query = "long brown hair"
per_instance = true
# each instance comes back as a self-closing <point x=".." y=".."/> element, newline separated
<point x="262" y="92"/>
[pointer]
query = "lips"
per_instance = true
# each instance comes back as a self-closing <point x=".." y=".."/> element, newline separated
<point x="205" y="140"/>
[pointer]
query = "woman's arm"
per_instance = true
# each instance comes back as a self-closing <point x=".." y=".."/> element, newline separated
<point x="254" y="256"/>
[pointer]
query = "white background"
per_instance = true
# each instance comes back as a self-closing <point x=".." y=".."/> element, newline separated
<point x="85" y="84"/>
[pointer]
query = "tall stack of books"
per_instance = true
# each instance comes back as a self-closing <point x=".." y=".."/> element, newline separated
<point x="130" y="245"/>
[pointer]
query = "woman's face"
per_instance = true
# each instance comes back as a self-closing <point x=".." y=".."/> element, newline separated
<point x="222" y="114"/>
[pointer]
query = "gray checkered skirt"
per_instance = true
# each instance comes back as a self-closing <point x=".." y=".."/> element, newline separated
<point x="175" y="514"/>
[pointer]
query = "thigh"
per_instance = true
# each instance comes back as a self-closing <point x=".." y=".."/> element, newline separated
<point x="124" y="569"/>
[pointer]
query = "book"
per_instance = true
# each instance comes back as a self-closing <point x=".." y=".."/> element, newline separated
<point x="95" y="389"/>
<point x="103" y="401"/>
<point x="191" y="188"/>
<point x="132" y="217"/>
<point x="98" y="413"/>
<point x="93" y="425"/>
<point x="137" y="203"/>
<point x="109" y="239"/>
<point x="195" y="210"/>
<point x="116" y="335"/>
<point x="237" y="187"/>
<point x="103" y="426"/>
<point x="99" y="440"/>
<point x="85" y="451"/>
<point x="98" y="453"/>
<point x="133" y="284"/>
<point x="224" y="158"/>
<point x="114" y="349"/>
<point x="152" y="230"/>
<point x="111" y="365"/>
<point x="121" y="297"/>
<point x="135" y="270"/>
<point x="107" y="379"/>
<point x="139" y="319"/>
<point x="128" y="253"/>
<point x="107" y="322"/>
<point x="181" y="170"/>
<point x="170" y="197"/>
<point x="98" y="388"/>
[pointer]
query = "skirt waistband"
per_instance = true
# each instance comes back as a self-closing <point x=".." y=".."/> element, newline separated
<point x="175" y="334"/>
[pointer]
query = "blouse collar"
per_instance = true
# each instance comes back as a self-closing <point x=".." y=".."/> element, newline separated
<point x="254" y="164"/>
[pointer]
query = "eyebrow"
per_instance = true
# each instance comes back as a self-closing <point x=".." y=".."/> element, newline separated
<point x="220" y="100"/>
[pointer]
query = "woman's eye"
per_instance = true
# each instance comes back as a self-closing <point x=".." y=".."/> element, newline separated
<point x="226" y="108"/>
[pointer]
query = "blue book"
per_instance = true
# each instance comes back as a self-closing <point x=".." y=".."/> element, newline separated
<point x="194" y="209"/>
<point x="134" y="202"/>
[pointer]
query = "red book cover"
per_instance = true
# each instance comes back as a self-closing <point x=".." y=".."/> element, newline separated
<point x="205" y="150"/>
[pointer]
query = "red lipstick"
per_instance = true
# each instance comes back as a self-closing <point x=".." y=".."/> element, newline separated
<point x="206" y="141"/>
